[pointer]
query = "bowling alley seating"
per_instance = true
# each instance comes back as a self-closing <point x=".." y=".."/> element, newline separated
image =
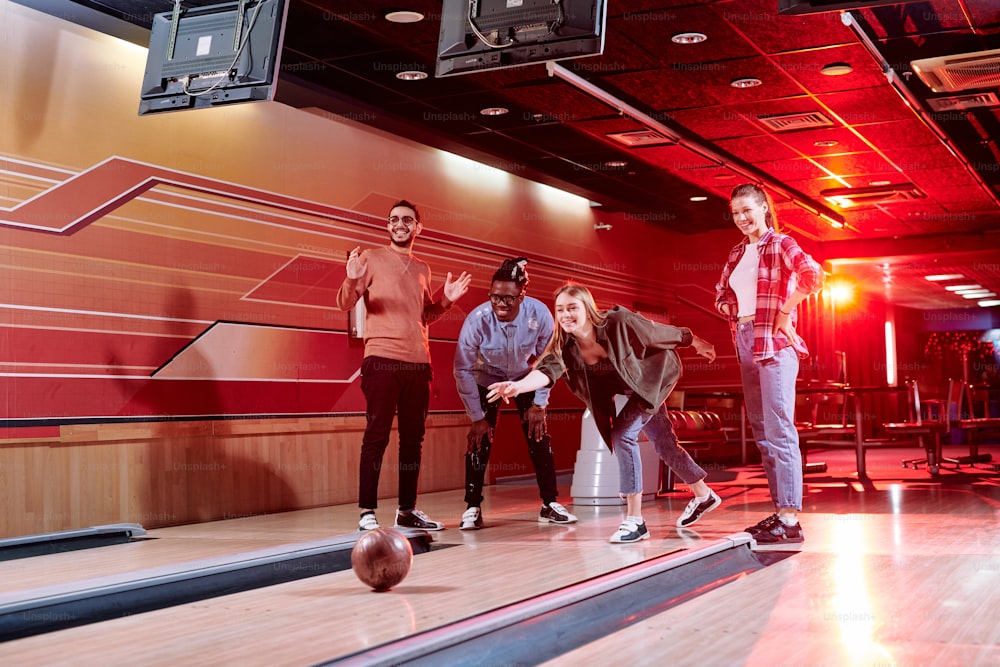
<point x="924" y="425"/>
<point x="695" y="430"/>
<point x="969" y="413"/>
<point x="824" y="420"/>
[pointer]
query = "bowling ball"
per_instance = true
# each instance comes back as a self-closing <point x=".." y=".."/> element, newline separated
<point x="381" y="558"/>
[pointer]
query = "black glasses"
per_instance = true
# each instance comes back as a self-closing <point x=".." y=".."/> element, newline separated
<point x="505" y="299"/>
<point x="406" y="220"/>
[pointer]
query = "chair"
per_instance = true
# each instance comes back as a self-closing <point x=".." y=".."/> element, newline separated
<point x="973" y="425"/>
<point x="924" y="425"/>
<point x="828" y="425"/>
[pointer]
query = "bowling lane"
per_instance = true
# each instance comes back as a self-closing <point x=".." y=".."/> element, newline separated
<point x="169" y="546"/>
<point x="317" y="619"/>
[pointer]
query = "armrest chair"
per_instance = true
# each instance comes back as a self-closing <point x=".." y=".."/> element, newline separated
<point x="924" y="425"/>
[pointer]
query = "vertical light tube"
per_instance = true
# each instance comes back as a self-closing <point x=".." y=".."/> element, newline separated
<point x="890" y="352"/>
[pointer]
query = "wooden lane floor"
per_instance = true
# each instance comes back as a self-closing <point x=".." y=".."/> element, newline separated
<point x="320" y="618"/>
<point x="905" y="573"/>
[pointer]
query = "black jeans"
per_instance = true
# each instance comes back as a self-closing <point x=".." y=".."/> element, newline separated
<point x="540" y="452"/>
<point x="393" y="387"/>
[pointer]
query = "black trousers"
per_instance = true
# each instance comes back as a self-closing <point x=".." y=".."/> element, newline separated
<point x="393" y="388"/>
<point x="539" y="450"/>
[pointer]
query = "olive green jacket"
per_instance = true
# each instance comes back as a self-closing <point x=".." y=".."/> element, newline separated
<point x="641" y="351"/>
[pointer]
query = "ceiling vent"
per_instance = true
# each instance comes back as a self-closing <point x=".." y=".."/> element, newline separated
<point x="795" y="121"/>
<point x="870" y="196"/>
<point x="962" y="102"/>
<point x="949" y="74"/>
<point x="641" y="138"/>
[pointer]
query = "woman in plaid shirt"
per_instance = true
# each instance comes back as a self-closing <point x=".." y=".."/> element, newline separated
<point x="766" y="276"/>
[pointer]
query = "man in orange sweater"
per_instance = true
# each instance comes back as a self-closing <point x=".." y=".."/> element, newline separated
<point x="396" y="370"/>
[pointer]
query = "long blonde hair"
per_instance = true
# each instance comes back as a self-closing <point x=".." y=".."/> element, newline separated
<point x="761" y="196"/>
<point x="596" y="317"/>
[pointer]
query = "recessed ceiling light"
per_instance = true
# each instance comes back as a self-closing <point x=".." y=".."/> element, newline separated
<point x="963" y="288"/>
<point x="878" y="184"/>
<point x="826" y="143"/>
<point x="494" y="111"/>
<point x="404" y="16"/>
<point x="989" y="302"/>
<point x="411" y="75"/>
<point x="944" y="276"/>
<point x="616" y="163"/>
<point x="978" y="295"/>
<point x="699" y="198"/>
<point x="745" y="82"/>
<point x="689" y="38"/>
<point x="837" y="69"/>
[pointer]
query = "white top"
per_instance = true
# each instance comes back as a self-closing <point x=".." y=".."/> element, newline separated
<point x="743" y="280"/>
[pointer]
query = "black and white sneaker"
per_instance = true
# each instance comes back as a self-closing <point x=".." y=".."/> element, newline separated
<point x="696" y="509"/>
<point x="773" y="530"/>
<point x="416" y="519"/>
<point x="630" y="531"/>
<point x="368" y="521"/>
<point x="472" y="519"/>
<point x="555" y="513"/>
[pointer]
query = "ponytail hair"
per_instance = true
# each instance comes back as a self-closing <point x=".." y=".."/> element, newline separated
<point x="513" y="270"/>
<point x="761" y="196"/>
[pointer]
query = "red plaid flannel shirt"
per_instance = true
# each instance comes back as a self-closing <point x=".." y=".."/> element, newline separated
<point x="783" y="267"/>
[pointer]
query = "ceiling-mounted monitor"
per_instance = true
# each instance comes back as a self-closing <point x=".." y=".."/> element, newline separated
<point x="217" y="54"/>
<point x="792" y="7"/>
<point x="479" y="35"/>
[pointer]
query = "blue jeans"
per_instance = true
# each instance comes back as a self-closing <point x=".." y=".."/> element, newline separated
<point x="769" y="396"/>
<point x="625" y="429"/>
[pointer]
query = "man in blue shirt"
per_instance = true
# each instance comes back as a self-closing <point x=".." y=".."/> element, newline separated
<point x="500" y="341"/>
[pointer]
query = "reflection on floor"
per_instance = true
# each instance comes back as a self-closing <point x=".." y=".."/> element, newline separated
<point x="904" y="571"/>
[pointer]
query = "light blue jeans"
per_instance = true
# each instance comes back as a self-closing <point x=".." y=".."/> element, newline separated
<point x="769" y="396"/>
<point x="625" y="429"/>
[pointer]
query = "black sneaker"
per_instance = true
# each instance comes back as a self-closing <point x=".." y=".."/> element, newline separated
<point x="416" y="519"/>
<point x="695" y="509"/>
<point x="630" y="531"/>
<point x="772" y="531"/>
<point x="555" y="513"/>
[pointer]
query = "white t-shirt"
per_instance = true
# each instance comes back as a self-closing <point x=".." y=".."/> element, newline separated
<point x="743" y="281"/>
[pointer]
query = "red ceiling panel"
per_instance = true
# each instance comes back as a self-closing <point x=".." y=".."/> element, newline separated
<point x="806" y="67"/>
<point x="870" y="105"/>
<point x="753" y="149"/>
<point x="854" y="164"/>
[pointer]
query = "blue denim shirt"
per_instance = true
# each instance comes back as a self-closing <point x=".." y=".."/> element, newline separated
<point x="491" y="351"/>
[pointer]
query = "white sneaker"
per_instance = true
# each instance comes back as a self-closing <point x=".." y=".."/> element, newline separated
<point x="368" y="521"/>
<point x="630" y="531"/>
<point x="472" y="519"/>
<point x="695" y="509"/>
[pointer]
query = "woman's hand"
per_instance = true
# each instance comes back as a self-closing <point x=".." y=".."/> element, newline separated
<point x="505" y="390"/>
<point x="783" y="324"/>
<point x="703" y="347"/>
